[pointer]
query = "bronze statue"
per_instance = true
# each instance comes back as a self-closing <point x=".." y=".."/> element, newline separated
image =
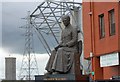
<point x="61" y="59"/>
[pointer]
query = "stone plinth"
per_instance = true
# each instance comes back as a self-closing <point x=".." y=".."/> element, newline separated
<point x="61" y="78"/>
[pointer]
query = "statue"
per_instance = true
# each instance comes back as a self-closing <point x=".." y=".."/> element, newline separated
<point x="61" y="59"/>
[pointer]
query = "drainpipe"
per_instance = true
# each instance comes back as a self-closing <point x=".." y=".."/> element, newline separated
<point x="91" y="13"/>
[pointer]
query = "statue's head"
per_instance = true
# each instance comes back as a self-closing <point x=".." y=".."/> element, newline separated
<point x="66" y="20"/>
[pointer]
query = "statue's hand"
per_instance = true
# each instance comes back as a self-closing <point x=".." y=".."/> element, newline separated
<point x="60" y="45"/>
<point x="63" y="45"/>
<point x="56" y="48"/>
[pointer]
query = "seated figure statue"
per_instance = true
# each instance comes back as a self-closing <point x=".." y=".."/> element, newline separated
<point x="61" y="59"/>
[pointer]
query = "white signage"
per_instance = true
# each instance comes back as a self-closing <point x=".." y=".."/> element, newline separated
<point x="109" y="60"/>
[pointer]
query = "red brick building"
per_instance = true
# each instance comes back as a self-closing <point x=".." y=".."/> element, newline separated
<point x="101" y="26"/>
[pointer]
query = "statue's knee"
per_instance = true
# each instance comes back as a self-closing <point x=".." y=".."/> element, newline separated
<point x="60" y="49"/>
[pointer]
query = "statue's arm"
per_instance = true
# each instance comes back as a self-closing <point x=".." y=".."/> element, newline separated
<point x="61" y="39"/>
<point x="60" y="44"/>
<point x="74" y="38"/>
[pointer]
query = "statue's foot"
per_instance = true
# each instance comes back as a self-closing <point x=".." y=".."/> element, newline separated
<point x="48" y="73"/>
<point x="55" y="73"/>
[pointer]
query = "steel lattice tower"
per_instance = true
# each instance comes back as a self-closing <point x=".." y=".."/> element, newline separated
<point x="29" y="66"/>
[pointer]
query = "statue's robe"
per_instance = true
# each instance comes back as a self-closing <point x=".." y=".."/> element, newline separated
<point x="62" y="59"/>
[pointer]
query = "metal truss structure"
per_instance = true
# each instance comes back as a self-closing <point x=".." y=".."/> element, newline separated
<point x="29" y="66"/>
<point x="46" y="20"/>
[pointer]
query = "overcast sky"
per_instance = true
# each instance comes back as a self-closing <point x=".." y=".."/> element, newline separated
<point x="11" y="35"/>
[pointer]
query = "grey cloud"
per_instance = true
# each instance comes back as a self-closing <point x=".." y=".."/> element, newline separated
<point x="12" y="12"/>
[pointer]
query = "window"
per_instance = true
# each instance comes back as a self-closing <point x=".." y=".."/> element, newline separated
<point x="101" y="26"/>
<point x="111" y="22"/>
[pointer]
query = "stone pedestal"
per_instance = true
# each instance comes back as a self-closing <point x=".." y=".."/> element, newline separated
<point x="61" y="77"/>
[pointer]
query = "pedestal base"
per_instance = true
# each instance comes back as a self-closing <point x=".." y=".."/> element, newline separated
<point x="61" y="77"/>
